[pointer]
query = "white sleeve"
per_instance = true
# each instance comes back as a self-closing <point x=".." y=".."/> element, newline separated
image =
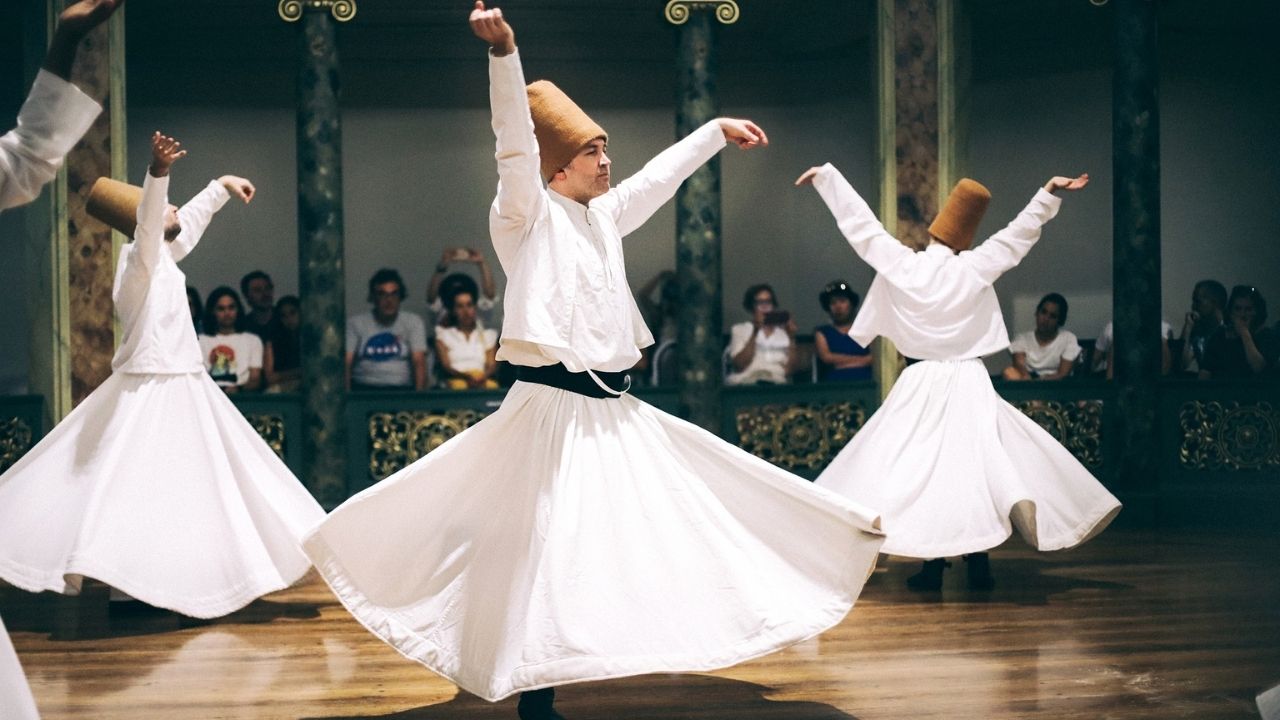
<point x="521" y="197"/>
<point x="54" y="117"/>
<point x="1070" y="346"/>
<point x="739" y="335"/>
<point x="1019" y="344"/>
<point x="860" y="227"/>
<point x="194" y="217"/>
<point x="148" y="236"/>
<point x="1004" y="250"/>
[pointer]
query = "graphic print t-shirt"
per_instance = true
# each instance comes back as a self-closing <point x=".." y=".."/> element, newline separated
<point x="229" y="358"/>
<point x="383" y="353"/>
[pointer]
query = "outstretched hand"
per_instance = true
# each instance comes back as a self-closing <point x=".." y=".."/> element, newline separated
<point x="1066" y="183"/>
<point x="79" y="19"/>
<point x="165" y="151"/>
<point x="238" y="187"/>
<point x="806" y="178"/>
<point x="743" y="133"/>
<point x="491" y="27"/>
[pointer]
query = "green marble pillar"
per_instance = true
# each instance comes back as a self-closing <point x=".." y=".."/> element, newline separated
<point x="1136" y="242"/>
<point x="698" y="229"/>
<point x="320" y="266"/>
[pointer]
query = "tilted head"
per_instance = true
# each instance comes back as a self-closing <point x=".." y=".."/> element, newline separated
<point x="571" y="146"/>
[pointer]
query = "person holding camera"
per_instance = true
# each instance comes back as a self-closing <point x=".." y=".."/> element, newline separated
<point x="764" y="349"/>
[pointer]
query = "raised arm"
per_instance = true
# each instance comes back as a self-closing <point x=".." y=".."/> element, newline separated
<point x="858" y="223"/>
<point x="1004" y="250"/>
<point x="195" y="215"/>
<point x="638" y="197"/>
<point x="55" y="115"/>
<point x="521" y="196"/>
<point x="149" y="235"/>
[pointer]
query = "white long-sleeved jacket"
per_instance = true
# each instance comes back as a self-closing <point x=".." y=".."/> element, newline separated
<point x="567" y="299"/>
<point x="55" y="116"/>
<point x="935" y="304"/>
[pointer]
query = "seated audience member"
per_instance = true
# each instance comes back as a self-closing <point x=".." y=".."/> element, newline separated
<point x="840" y="357"/>
<point x="1048" y="352"/>
<point x="485" y="301"/>
<point x="259" y="294"/>
<point x="386" y="347"/>
<point x="197" y="308"/>
<point x="1243" y="347"/>
<point x="1104" y="350"/>
<point x="1208" y="308"/>
<point x="762" y="350"/>
<point x="232" y="357"/>
<point x="282" y="361"/>
<point x="464" y="347"/>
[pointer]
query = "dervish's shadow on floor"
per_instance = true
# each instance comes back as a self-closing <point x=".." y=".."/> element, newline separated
<point x="647" y="697"/>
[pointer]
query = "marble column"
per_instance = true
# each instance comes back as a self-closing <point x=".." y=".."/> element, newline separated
<point x="917" y="96"/>
<point x="1136" y="242"/>
<point x="72" y="336"/>
<point x="698" y="234"/>
<point x="320" y="253"/>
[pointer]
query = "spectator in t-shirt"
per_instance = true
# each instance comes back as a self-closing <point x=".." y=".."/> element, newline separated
<point x="1208" y="308"/>
<point x="485" y="301"/>
<point x="282" y="363"/>
<point x="386" y="347"/>
<point x="465" y="347"/>
<point x="762" y="350"/>
<point x="1244" y="347"/>
<point x="259" y="294"/>
<point x="232" y="357"/>
<point x="1104" y="350"/>
<point x="840" y="357"/>
<point x="1048" y="352"/>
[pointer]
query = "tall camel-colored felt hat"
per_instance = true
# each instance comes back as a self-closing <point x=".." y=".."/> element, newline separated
<point x="562" y="128"/>
<point x="958" y="221"/>
<point x="115" y="203"/>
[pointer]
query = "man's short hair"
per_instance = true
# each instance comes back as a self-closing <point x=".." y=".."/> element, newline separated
<point x="383" y="276"/>
<point x="255" y="275"/>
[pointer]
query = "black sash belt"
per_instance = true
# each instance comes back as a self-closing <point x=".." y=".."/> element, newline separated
<point x="558" y="376"/>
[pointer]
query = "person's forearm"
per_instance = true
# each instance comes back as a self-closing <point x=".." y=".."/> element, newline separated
<point x="419" y="374"/>
<point x="745" y="355"/>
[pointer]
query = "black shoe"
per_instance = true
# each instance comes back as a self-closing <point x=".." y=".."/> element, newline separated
<point x="978" y="570"/>
<point x="930" y="576"/>
<point x="536" y="705"/>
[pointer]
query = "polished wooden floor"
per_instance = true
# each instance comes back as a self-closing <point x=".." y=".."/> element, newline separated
<point x="1133" y="625"/>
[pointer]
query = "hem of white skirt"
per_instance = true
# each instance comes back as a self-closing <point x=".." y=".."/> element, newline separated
<point x="204" y="608"/>
<point x="565" y="671"/>
<point x="1095" y="521"/>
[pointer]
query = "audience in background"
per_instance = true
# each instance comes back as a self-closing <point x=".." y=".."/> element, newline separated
<point x="386" y="347"/>
<point x="1208" y="306"/>
<point x="1104" y="350"/>
<point x="465" y="349"/>
<point x="197" y="308"/>
<point x="1243" y="347"/>
<point x="762" y="350"/>
<point x="485" y="301"/>
<point x="259" y="294"/>
<point x="840" y="357"/>
<point x="1048" y="352"/>
<point x="232" y="357"/>
<point x="282" y="362"/>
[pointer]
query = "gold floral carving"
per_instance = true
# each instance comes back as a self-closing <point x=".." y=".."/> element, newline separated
<point x="15" y="441"/>
<point x="799" y="437"/>
<point x="1075" y="424"/>
<point x="271" y="429"/>
<point x="397" y="439"/>
<point x="1229" y="436"/>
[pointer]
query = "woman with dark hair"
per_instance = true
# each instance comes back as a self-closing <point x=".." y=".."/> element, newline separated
<point x="1048" y="352"/>
<point x="1243" y="347"/>
<point x="762" y="350"/>
<point x="282" y="354"/>
<point x="840" y="357"/>
<point x="232" y="357"/>
<point x="466" y="349"/>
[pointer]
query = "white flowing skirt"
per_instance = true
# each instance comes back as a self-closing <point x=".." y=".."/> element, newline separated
<point x="16" y="702"/>
<point x="952" y="468"/>
<point x="567" y="538"/>
<point x="157" y="486"/>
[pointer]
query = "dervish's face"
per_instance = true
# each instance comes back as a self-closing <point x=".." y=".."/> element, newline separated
<point x="586" y="177"/>
<point x="171" y="226"/>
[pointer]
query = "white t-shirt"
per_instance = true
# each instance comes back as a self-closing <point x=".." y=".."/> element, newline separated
<point x="229" y="358"/>
<point x="467" y="354"/>
<point x="1104" y="341"/>
<point x="1045" y="359"/>
<point x="770" y="361"/>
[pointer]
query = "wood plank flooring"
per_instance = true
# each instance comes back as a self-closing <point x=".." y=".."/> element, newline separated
<point x="1132" y="625"/>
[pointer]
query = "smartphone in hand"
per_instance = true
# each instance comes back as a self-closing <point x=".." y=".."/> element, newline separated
<point x="777" y="317"/>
